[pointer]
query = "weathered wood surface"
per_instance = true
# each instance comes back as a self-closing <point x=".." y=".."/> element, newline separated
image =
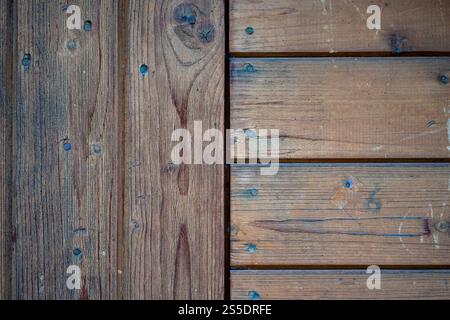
<point x="338" y="26"/>
<point x="345" y="108"/>
<point x="174" y="223"/>
<point x="339" y="284"/>
<point x="320" y="215"/>
<point x="5" y="149"/>
<point x="65" y="140"/>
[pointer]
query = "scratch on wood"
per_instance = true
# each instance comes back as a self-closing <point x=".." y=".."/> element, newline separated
<point x="416" y="226"/>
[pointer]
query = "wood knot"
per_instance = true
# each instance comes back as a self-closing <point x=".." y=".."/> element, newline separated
<point x="185" y="13"/>
<point x="206" y="32"/>
<point x="192" y="26"/>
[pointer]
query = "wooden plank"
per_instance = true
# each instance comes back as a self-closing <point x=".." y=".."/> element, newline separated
<point x="339" y="284"/>
<point x="5" y="148"/>
<point x="65" y="140"/>
<point x="391" y="215"/>
<point x="345" y="108"/>
<point x="174" y="219"/>
<point x="338" y="26"/>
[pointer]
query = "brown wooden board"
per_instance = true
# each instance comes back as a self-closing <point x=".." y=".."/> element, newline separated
<point x="338" y="284"/>
<point x="174" y="222"/>
<point x="338" y="26"/>
<point x="345" y="108"/>
<point x="341" y="215"/>
<point x="65" y="146"/>
<point x="5" y="148"/>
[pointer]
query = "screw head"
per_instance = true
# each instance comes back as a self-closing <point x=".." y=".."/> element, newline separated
<point x="251" y="248"/>
<point x="443" y="79"/>
<point x="72" y="45"/>
<point x="249" y="30"/>
<point x="253" y="295"/>
<point x="26" y="60"/>
<point x="87" y="26"/>
<point x="67" y="146"/>
<point x="97" y="149"/>
<point x="249" y="68"/>
<point x="348" y="184"/>
<point x="143" y="69"/>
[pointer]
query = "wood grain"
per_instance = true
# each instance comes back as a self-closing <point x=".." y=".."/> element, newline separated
<point x="339" y="284"/>
<point x="338" y="26"/>
<point x="345" y="108"/>
<point x="341" y="215"/>
<point x="5" y="148"/>
<point x="174" y="236"/>
<point x="65" y="140"/>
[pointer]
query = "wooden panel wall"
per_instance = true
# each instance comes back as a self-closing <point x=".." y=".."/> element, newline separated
<point x="5" y="148"/>
<point x="174" y="225"/>
<point x="93" y="183"/>
<point x="347" y="108"/>
<point x="338" y="284"/>
<point x="328" y="26"/>
<point x="339" y="92"/>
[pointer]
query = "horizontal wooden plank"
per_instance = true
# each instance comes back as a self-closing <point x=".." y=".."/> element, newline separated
<point x="338" y="284"/>
<point x="346" y="108"/>
<point x="338" y="26"/>
<point x="337" y="215"/>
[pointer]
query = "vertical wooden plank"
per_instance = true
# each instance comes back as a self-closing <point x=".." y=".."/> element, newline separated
<point x="173" y="214"/>
<point x="65" y="140"/>
<point x="5" y="149"/>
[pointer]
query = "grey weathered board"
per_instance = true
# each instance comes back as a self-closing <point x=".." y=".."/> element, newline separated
<point x="341" y="215"/>
<point x="65" y="147"/>
<point x="338" y="284"/>
<point x="331" y="27"/>
<point x="5" y="149"/>
<point x="345" y="108"/>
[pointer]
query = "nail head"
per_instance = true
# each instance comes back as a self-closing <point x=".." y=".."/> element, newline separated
<point x="87" y="26"/>
<point x="443" y="79"/>
<point x="67" y="146"/>
<point x="251" y="248"/>
<point x="143" y="69"/>
<point x="249" y="30"/>
<point x="253" y="295"/>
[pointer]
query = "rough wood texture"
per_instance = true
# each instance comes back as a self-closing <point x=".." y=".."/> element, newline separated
<point x="174" y="237"/>
<point x="339" y="284"/>
<point x="341" y="215"/>
<point x="345" y="107"/>
<point x="339" y="26"/>
<point x="5" y="149"/>
<point x="65" y="140"/>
